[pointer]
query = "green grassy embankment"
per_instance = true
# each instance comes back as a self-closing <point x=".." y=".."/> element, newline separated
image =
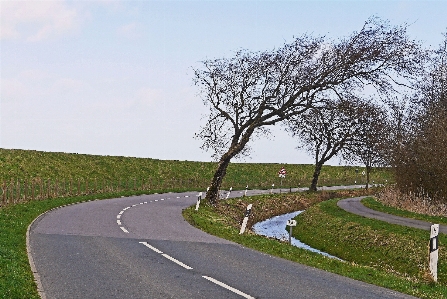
<point x="375" y="252"/>
<point x="28" y="165"/>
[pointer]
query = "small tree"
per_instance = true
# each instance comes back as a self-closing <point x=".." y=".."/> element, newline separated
<point x="252" y="91"/>
<point x="323" y="133"/>
<point x="369" y="145"/>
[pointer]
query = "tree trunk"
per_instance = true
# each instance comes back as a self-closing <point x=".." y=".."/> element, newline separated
<point x="213" y="193"/>
<point x="313" y="185"/>
<point x="368" y="170"/>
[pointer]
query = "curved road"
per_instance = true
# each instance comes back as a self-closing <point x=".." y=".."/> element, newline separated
<point x="141" y="247"/>
<point x="354" y="205"/>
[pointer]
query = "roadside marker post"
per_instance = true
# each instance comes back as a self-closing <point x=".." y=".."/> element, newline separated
<point x="228" y="194"/>
<point x="199" y="198"/>
<point x="246" y="188"/>
<point x="282" y="174"/>
<point x="291" y="223"/>
<point x="244" y="222"/>
<point x="433" y="262"/>
<point x="271" y="191"/>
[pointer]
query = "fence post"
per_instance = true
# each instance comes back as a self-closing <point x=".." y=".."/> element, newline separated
<point x="48" y="188"/>
<point x="25" y="190"/>
<point x="18" y="191"/>
<point x="32" y="190"/>
<point x="4" y="193"/>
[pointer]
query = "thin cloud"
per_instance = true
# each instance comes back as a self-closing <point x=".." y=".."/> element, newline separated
<point x="128" y="31"/>
<point x="36" y="20"/>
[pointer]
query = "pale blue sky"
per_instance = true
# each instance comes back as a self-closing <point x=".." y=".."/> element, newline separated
<point x="115" y="77"/>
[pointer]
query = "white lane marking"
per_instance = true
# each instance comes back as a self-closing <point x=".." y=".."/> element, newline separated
<point x="123" y="210"/>
<point x="124" y="230"/>
<point x="178" y="196"/>
<point x="186" y="195"/>
<point x="176" y="261"/>
<point x="228" y="287"/>
<point x="166" y="256"/>
<point x="151" y="247"/>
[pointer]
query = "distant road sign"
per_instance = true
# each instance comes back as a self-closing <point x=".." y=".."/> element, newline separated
<point x="282" y="173"/>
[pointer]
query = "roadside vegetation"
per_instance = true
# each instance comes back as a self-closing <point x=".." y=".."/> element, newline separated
<point x="375" y="252"/>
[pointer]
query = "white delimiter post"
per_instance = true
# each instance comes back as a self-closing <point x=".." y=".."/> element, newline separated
<point x="228" y="194"/>
<point x="433" y="263"/>
<point x="244" y="222"/>
<point x="198" y="201"/>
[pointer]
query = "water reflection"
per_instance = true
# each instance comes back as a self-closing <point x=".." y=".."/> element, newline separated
<point x="275" y="227"/>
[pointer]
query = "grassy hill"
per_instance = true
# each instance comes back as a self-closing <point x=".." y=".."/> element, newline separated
<point x="50" y="173"/>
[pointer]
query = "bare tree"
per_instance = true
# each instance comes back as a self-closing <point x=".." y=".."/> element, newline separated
<point x="421" y="165"/>
<point x="252" y="91"/>
<point x="369" y="145"/>
<point x="323" y="133"/>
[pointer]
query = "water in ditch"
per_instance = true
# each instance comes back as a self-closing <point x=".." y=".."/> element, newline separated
<point x="275" y="227"/>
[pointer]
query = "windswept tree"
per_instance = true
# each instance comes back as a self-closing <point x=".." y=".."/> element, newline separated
<point x="369" y="145"/>
<point x="325" y="132"/>
<point x="251" y="91"/>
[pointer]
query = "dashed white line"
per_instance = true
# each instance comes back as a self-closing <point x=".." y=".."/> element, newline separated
<point x="141" y="203"/>
<point x="151" y="247"/>
<point x="176" y="261"/>
<point x="228" y="287"/>
<point x="166" y="256"/>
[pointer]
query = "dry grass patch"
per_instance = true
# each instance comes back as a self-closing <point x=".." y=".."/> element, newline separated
<point x="419" y="203"/>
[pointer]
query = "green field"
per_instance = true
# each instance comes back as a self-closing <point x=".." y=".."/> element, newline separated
<point x="25" y="165"/>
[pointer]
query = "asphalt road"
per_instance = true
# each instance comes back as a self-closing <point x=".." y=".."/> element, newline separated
<point x="141" y="247"/>
<point x="354" y="205"/>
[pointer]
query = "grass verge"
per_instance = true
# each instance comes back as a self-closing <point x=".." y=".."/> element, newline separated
<point x="378" y="206"/>
<point x="16" y="278"/>
<point x="386" y="255"/>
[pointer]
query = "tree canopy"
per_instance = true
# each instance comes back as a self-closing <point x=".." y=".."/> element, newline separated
<point x="251" y="91"/>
